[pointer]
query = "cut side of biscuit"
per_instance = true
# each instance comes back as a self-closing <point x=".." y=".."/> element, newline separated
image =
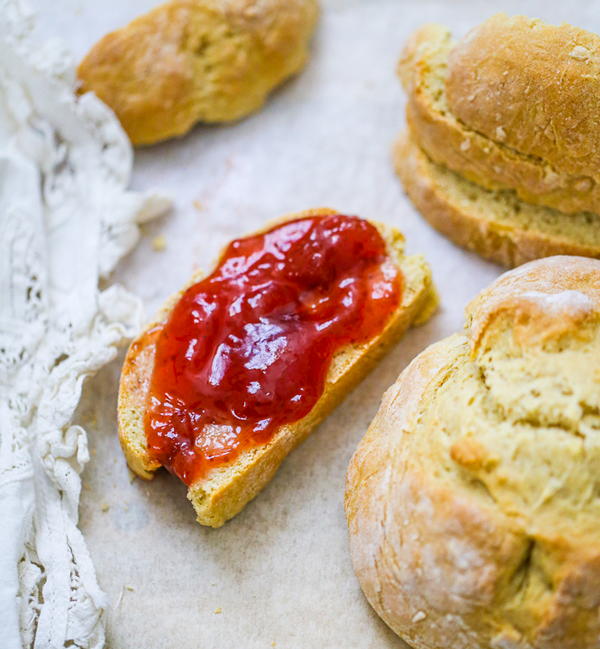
<point x="483" y="158"/>
<point x="226" y="489"/>
<point x="496" y="224"/>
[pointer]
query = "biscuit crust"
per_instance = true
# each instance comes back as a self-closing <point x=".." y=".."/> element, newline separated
<point x="538" y="83"/>
<point x="495" y="224"/>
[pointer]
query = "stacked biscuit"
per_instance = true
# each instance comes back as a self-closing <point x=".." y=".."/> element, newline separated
<point x="502" y="153"/>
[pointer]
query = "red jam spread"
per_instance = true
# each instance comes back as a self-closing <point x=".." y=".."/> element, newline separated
<point x="248" y="348"/>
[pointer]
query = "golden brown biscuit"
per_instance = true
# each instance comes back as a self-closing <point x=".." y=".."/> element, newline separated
<point x="489" y="160"/>
<point x="472" y="501"/>
<point x="532" y="86"/>
<point x="197" y="60"/>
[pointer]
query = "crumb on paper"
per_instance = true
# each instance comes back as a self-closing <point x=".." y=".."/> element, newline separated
<point x="218" y="611"/>
<point x="419" y="616"/>
<point x="131" y="589"/>
<point x="159" y="243"/>
<point x="105" y="507"/>
<point x="273" y="644"/>
<point x="198" y="205"/>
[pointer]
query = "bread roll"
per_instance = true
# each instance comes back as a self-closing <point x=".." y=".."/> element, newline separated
<point x="197" y="60"/>
<point x="473" y="501"/>
<point x="487" y="160"/>
<point x="532" y="86"/>
<point x="226" y="489"/>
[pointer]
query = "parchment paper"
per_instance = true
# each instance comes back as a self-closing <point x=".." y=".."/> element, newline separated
<point x="279" y="574"/>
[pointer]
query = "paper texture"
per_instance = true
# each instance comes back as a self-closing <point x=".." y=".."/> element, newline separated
<point x="279" y="574"/>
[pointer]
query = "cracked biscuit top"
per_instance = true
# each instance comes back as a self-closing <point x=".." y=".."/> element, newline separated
<point x="473" y="501"/>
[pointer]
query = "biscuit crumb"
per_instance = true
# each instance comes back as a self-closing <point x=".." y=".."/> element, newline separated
<point x="273" y="644"/>
<point x="583" y="184"/>
<point x="132" y="476"/>
<point x="468" y="453"/>
<point x="105" y="507"/>
<point x="580" y="53"/>
<point x="218" y="611"/>
<point x="159" y="243"/>
<point x="131" y="589"/>
<point x="550" y="175"/>
<point x="198" y="205"/>
<point x="418" y="616"/>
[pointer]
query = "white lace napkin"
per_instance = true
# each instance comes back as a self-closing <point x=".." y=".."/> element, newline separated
<point x="66" y="219"/>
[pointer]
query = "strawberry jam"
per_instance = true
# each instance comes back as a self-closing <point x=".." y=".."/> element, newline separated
<point x="248" y="348"/>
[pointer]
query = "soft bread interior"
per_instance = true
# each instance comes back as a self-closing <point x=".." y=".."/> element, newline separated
<point x="228" y="488"/>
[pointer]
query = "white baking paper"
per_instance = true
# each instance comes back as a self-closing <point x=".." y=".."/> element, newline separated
<point x="279" y="574"/>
